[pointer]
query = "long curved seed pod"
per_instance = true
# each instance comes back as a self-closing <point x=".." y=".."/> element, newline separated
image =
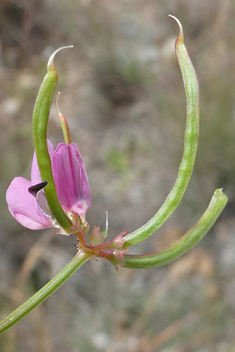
<point x="40" y="120"/>
<point x="190" y="147"/>
<point x="186" y="242"/>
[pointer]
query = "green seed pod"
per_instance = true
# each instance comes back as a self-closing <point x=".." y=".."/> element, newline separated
<point x="40" y="121"/>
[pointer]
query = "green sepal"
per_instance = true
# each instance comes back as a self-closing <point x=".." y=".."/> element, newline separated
<point x="96" y="237"/>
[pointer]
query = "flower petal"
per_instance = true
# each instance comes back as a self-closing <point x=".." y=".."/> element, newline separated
<point x="23" y="206"/>
<point x="35" y="173"/>
<point x="71" y="179"/>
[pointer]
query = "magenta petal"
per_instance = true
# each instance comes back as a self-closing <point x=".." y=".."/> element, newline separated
<point x="71" y="179"/>
<point x="22" y="205"/>
<point x="35" y="173"/>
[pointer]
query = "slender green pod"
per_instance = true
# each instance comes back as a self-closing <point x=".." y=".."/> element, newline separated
<point x="64" y="124"/>
<point x="186" y="242"/>
<point x="40" y="121"/>
<point x="40" y="296"/>
<point x="190" y="147"/>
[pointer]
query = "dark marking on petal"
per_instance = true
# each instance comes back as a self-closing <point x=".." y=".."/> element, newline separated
<point x="37" y="188"/>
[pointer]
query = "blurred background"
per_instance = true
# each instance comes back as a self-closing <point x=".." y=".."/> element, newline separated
<point x="123" y="96"/>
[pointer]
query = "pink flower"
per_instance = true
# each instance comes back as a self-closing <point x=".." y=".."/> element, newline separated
<point x="71" y="185"/>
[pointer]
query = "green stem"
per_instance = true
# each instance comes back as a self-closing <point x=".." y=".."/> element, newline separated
<point x="79" y="259"/>
<point x="186" y="242"/>
<point x="190" y="147"/>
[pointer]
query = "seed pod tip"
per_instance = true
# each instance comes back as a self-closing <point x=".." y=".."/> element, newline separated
<point x="50" y="64"/>
<point x="181" y="33"/>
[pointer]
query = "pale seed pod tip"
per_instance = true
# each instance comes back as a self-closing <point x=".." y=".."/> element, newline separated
<point x="50" y="64"/>
<point x="181" y="33"/>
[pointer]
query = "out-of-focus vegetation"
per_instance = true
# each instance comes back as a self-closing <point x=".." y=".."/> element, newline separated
<point x="122" y="93"/>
